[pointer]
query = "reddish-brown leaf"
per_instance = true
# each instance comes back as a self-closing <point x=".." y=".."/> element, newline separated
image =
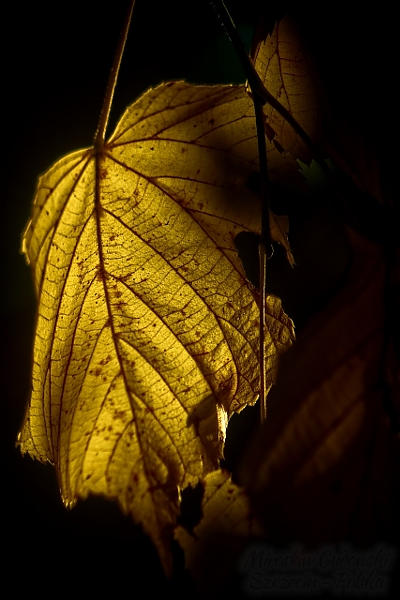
<point x="324" y="467"/>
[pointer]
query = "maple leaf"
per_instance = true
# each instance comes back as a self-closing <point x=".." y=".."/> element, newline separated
<point x="147" y="331"/>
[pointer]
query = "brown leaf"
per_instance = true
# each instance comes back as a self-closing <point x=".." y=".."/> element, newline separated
<point x="324" y="467"/>
<point x="147" y="330"/>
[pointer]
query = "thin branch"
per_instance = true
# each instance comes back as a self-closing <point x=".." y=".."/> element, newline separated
<point x="263" y="299"/>
<point x="263" y="247"/>
<point x="257" y="86"/>
<point x="264" y="177"/>
<point x="112" y="81"/>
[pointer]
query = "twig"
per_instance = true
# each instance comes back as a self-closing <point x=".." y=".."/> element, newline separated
<point x="257" y="86"/>
<point x="257" y="89"/>
<point x="263" y="246"/>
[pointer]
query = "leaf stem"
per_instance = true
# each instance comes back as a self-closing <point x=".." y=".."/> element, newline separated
<point x="112" y="81"/>
<point x="257" y="88"/>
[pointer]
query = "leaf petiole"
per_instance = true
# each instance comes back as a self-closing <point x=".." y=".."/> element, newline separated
<point x="112" y="81"/>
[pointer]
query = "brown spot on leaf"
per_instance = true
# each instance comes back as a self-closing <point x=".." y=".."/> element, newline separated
<point x="119" y="414"/>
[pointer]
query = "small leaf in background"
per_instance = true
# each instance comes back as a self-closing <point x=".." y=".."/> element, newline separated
<point x="357" y="131"/>
<point x="212" y="550"/>
<point x="148" y="331"/>
<point x="285" y="69"/>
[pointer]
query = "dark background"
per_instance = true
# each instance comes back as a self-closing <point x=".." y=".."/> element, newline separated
<point x="55" y="64"/>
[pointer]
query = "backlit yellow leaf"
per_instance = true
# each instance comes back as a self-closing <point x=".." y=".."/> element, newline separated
<point x="147" y="330"/>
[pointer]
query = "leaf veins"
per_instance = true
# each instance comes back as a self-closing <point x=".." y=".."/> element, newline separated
<point x="147" y="330"/>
